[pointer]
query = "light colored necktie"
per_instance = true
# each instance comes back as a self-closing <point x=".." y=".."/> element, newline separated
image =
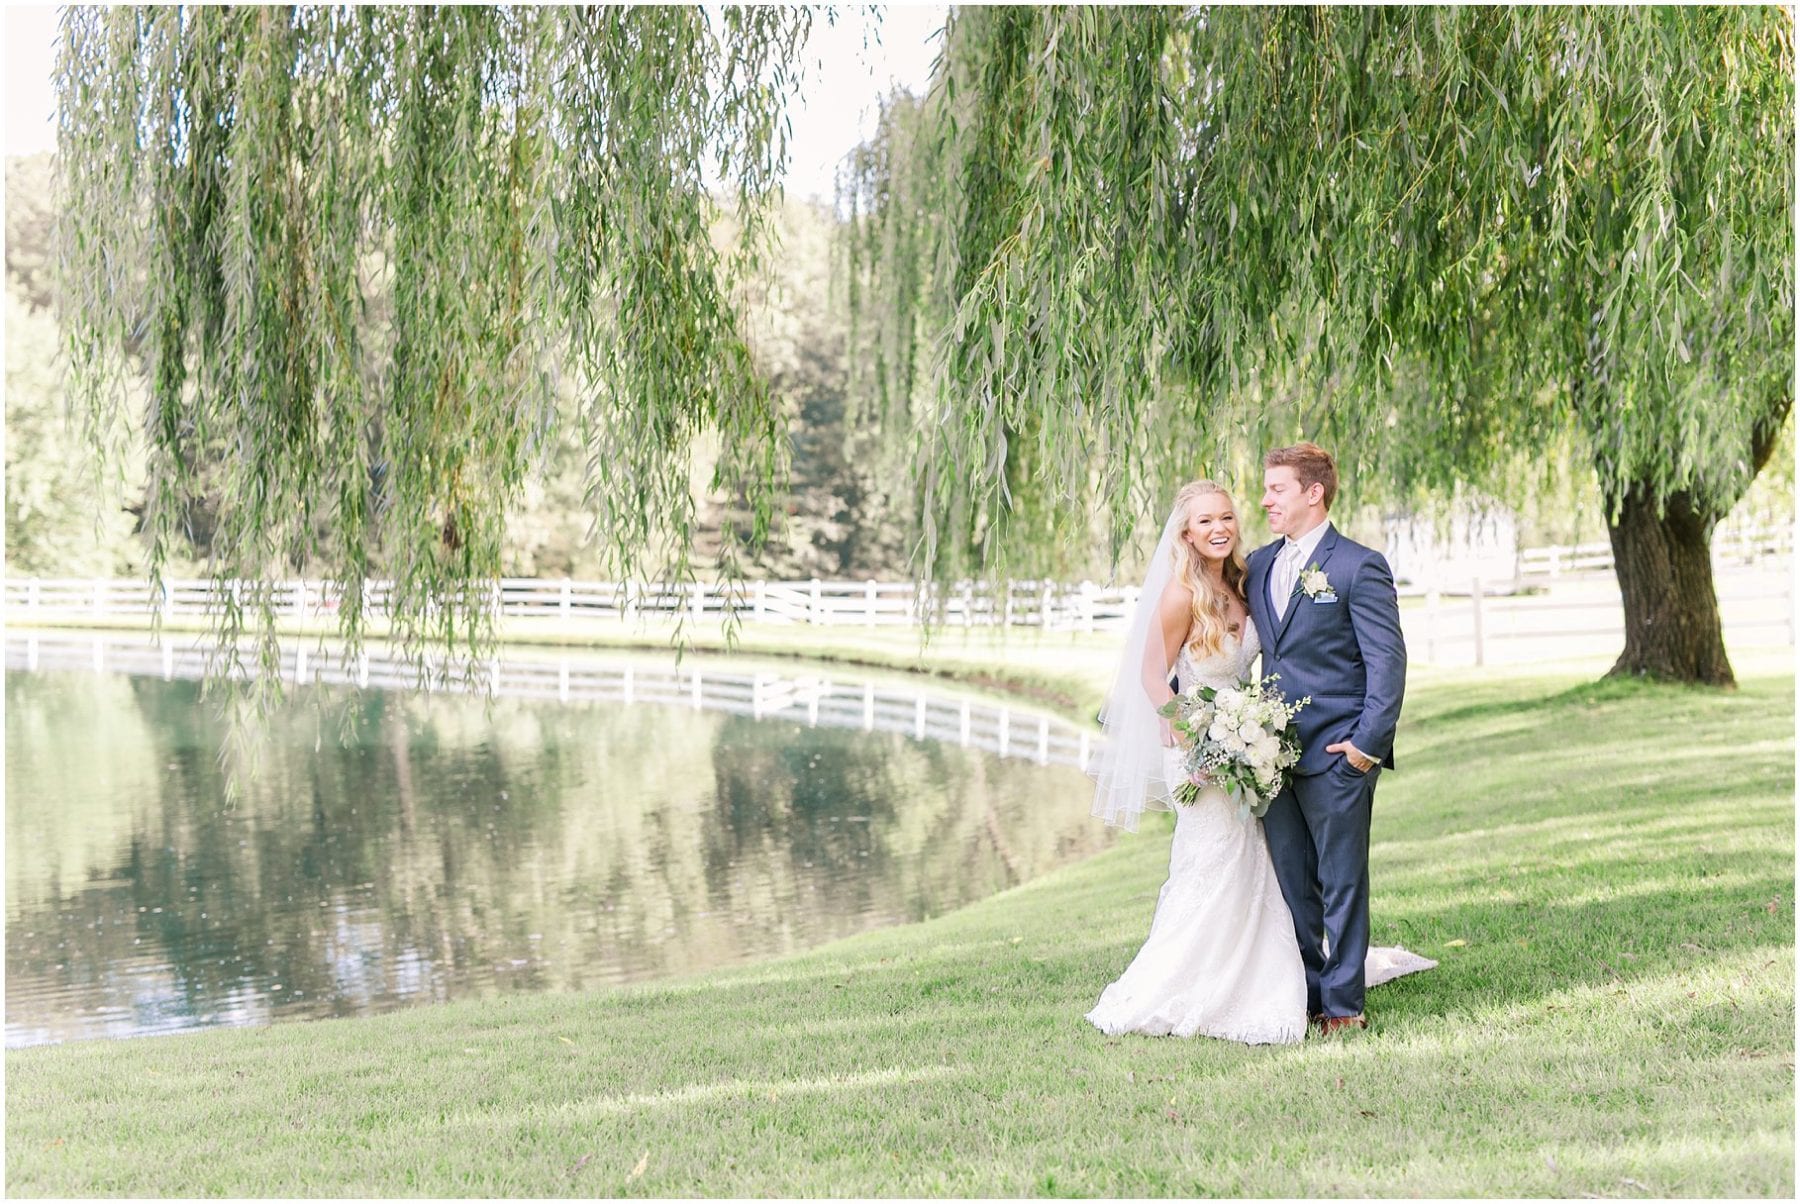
<point x="1282" y="579"/>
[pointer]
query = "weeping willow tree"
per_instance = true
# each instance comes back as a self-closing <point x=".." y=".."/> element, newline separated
<point x="353" y="251"/>
<point x="1116" y="245"/>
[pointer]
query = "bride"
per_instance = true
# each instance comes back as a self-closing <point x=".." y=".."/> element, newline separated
<point x="1221" y="958"/>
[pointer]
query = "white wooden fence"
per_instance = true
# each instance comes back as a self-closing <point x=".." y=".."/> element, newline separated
<point x="1735" y="546"/>
<point x="813" y="699"/>
<point x="1049" y="605"/>
<point x="1574" y="619"/>
<point x="1575" y="609"/>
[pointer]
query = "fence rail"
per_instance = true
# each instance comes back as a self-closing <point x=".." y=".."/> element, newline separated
<point x="1056" y="606"/>
<point x="1735" y="546"/>
<point x="1050" y="605"/>
<point x="1459" y="622"/>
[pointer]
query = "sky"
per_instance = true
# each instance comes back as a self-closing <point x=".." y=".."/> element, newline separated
<point x="848" y="67"/>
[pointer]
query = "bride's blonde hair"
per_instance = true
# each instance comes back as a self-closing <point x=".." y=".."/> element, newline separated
<point x="1212" y="616"/>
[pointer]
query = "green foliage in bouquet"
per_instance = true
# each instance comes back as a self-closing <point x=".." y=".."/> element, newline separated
<point x="1239" y="738"/>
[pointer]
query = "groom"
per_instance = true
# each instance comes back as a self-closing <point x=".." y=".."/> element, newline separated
<point x="1325" y="609"/>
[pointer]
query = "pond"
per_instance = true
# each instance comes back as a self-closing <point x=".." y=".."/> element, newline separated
<point x="600" y="820"/>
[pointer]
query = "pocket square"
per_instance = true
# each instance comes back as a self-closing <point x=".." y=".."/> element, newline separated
<point x="1321" y="599"/>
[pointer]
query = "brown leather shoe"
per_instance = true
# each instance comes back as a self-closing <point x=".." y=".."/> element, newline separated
<point x="1331" y="1025"/>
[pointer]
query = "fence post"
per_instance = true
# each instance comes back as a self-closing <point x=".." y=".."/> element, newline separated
<point x="761" y="596"/>
<point x="1087" y="610"/>
<point x="32" y="595"/>
<point x="1475" y="598"/>
<point x="812" y="604"/>
<point x="568" y="599"/>
<point x="1789" y="595"/>
<point x="869" y="603"/>
<point x="99" y="600"/>
<point x="699" y="601"/>
<point x="1044" y="610"/>
<point x="1431" y="624"/>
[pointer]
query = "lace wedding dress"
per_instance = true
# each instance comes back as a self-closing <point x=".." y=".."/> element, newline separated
<point x="1221" y="959"/>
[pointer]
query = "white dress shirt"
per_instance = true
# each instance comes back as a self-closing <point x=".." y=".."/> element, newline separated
<point x="1294" y="555"/>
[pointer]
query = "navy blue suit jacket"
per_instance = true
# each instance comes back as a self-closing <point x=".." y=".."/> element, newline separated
<point x="1348" y="653"/>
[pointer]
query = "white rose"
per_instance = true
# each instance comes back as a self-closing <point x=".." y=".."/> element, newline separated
<point x="1278" y="722"/>
<point x="1250" y="731"/>
<point x="1221" y="728"/>
<point x="1233" y="744"/>
<point x="1228" y="699"/>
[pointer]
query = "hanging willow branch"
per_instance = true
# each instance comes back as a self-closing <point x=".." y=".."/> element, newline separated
<point x="1255" y="213"/>
<point x="353" y="250"/>
<point x="1119" y="247"/>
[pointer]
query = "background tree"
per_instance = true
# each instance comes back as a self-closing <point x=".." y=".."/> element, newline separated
<point x="57" y="525"/>
<point x="1115" y="244"/>
<point x="833" y="520"/>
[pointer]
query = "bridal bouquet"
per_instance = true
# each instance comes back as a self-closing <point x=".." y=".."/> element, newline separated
<point x="1237" y="738"/>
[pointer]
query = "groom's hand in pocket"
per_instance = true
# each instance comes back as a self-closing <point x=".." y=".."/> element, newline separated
<point x="1359" y="760"/>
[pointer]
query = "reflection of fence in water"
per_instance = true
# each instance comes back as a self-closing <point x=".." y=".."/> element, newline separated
<point x="817" y="701"/>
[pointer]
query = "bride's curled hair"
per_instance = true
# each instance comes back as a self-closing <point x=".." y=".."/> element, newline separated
<point x="1212" y="616"/>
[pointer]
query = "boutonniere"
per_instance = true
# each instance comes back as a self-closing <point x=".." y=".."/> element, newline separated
<point x="1314" y="583"/>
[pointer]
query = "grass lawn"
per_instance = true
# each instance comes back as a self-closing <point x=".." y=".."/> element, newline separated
<point x="1605" y="871"/>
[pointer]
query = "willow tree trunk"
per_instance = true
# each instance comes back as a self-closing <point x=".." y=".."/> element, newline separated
<point x="1664" y="565"/>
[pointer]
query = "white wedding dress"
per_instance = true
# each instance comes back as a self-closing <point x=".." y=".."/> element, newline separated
<point x="1221" y="958"/>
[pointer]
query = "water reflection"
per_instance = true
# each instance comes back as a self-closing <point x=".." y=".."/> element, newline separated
<point x="451" y="849"/>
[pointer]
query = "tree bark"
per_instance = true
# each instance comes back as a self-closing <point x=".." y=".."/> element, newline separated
<point x="1664" y="566"/>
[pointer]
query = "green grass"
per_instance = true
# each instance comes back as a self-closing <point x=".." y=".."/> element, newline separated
<point x="1605" y="872"/>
